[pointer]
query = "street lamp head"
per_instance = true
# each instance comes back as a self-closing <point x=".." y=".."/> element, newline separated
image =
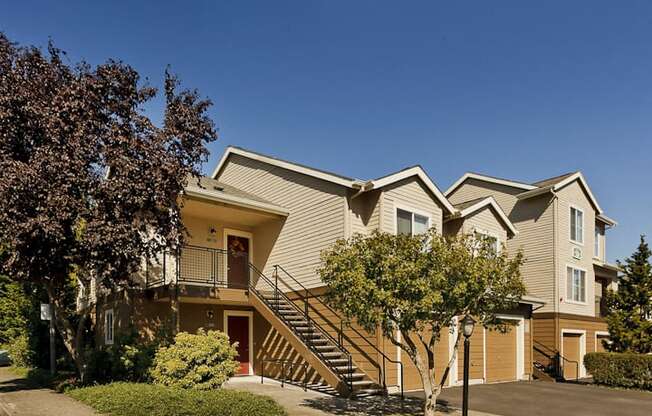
<point x="467" y="326"/>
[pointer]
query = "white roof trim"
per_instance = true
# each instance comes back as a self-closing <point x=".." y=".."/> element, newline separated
<point x="559" y="185"/>
<point x="285" y="165"/>
<point x="533" y="300"/>
<point x="421" y="174"/>
<point x="489" y="201"/>
<point x="235" y="200"/>
<point x="609" y="221"/>
<point x="484" y="178"/>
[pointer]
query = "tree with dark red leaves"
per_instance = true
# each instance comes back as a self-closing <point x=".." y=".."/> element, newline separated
<point x="86" y="178"/>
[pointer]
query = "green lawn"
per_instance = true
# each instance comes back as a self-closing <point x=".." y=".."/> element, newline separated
<point x="138" y="399"/>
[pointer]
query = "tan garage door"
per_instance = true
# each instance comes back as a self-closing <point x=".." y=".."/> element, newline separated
<point x="598" y="342"/>
<point x="501" y="355"/>
<point x="571" y="354"/>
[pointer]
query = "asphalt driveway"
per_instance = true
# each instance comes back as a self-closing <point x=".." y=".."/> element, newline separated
<point x="544" y="398"/>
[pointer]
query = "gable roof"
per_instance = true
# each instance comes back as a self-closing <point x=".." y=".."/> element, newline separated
<point x="537" y="188"/>
<point x="490" y="179"/>
<point x="360" y="185"/>
<point x="464" y="209"/>
<point x="557" y="183"/>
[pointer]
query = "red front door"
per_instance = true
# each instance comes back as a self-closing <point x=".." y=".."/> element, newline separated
<point x="238" y="261"/>
<point x="238" y="331"/>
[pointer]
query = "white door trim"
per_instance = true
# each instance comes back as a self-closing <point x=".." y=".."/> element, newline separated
<point x="237" y="233"/>
<point x="595" y="338"/>
<point x="582" y="334"/>
<point x="250" y="315"/>
<point x="520" y="343"/>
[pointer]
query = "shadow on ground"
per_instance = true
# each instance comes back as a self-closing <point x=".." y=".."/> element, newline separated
<point x="385" y="406"/>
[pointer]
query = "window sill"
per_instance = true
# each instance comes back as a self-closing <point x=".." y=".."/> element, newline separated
<point x="575" y="302"/>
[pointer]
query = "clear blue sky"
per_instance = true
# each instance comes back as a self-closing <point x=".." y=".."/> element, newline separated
<point x="523" y="90"/>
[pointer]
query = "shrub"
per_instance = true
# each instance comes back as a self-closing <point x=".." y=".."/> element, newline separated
<point x="136" y="399"/>
<point x="620" y="369"/>
<point x="203" y="361"/>
<point x="20" y="353"/>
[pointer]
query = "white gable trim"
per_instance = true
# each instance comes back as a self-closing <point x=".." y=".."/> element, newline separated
<point x="487" y="202"/>
<point x="199" y="193"/>
<point x="559" y="185"/>
<point x="421" y="174"/>
<point x="484" y="178"/>
<point x="285" y="165"/>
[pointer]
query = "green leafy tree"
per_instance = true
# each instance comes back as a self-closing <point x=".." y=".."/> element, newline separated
<point x="412" y="287"/>
<point x="630" y="306"/>
<point x="87" y="177"/>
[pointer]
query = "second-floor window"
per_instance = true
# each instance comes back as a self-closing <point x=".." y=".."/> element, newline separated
<point x="576" y="284"/>
<point x="577" y="225"/>
<point x="411" y="223"/>
<point x="492" y="240"/>
<point x="596" y="243"/>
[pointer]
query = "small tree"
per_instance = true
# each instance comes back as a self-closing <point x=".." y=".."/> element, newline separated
<point x="630" y="307"/>
<point x="87" y="178"/>
<point x="413" y="286"/>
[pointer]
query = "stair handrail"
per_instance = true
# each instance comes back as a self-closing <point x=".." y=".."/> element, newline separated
<point x="556" y="356"/>
<point x="280" y="294"/>
<point x="340" y="330"/>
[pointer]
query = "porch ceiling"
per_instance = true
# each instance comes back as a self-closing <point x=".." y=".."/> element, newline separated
<point x="220" y="211"/>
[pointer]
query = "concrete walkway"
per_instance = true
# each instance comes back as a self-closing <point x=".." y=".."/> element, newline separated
<point x="19" y="398"/>
<point x="312" y="403"/>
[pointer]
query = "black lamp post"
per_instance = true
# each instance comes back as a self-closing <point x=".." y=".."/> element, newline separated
<point x="467" y="331"/>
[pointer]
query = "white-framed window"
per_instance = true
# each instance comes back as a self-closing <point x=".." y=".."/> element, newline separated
<point x="108" y="327"/>
<point x="575" y="284"/>
<point x="494" y="241"/>
<point x="596" y="243"/>
<point x="411" y="223"/>
<point x="577" y="225"/>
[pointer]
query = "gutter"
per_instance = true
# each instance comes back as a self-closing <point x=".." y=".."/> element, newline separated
<point x="361" y="187"/>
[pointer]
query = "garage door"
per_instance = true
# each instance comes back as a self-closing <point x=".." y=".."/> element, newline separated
<point x="598" y="342"/>
<point x="571" y="354"/>
<point x="501" y="355"/>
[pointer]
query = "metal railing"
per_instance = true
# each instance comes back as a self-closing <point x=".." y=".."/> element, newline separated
<point x="274" y="305"/>
<point x="199" y="265"/>
<point x="286" y="365"/>
<point x="339" y="329"/>
<point x="556" y="362"/>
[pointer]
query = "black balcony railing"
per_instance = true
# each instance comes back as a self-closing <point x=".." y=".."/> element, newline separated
<point x="200" y="266"/>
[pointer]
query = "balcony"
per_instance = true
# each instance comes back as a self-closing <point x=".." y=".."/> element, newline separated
<point x="199" y="266"/>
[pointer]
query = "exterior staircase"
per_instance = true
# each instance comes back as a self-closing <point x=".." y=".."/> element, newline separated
<point x="325" y="354"/>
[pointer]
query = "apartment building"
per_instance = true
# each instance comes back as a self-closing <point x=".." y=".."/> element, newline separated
<point x="562" y="232"/>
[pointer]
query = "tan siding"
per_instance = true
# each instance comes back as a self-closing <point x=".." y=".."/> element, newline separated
<point x="534" y="220"/>
<point x="409" y="194"/>
<point x="484" y="221"/>
<point x="363" y="211"/>
<point x="411" y="376"/>
<point x="317" y="213"/>
<point x="573" y="195"/>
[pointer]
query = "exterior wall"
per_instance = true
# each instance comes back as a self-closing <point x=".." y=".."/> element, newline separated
<point x="363" y="212"/>
<point x="573" y="196"/>
<point x="317" y="213"/>
<point x="408" y="194"/>
<point x="484" y="221"/>
<point x="602" y="250"/>
<point x="534" y="219"/>
<point x="411" y="376"/>
<point x="548" y="328"/>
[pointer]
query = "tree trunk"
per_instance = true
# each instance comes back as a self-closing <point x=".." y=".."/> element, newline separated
<point x="73" y="338"/>
<point x="430" y="388"/>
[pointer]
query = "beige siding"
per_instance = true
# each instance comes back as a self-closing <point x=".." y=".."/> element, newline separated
<point x="474" y="189"/>
<point x="573" y="195"/>
<point x="483" y="221"/>
<point x="409" y="194"/>
<point x="316" y="219"/>
<point x="363" y="212"/>
<point x="534" y="220"/>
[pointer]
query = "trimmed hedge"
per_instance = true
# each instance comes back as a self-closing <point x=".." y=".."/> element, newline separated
<point x="627" y="370"/>
<point x="139" y="399"/>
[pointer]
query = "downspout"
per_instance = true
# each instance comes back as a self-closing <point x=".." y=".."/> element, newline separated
<point x="555" y="263"/>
